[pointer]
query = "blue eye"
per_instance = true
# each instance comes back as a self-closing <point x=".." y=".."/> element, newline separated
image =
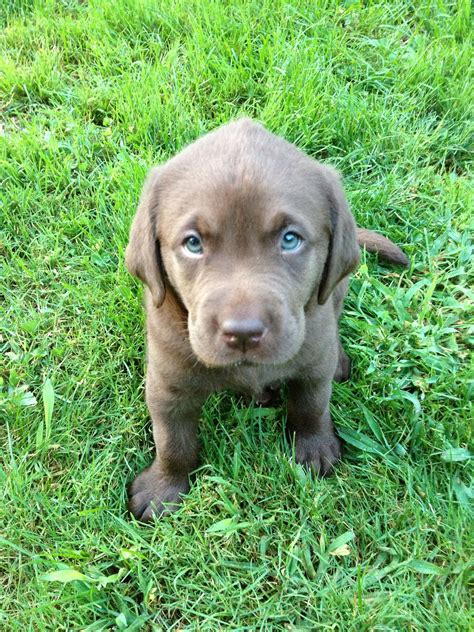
<point x="290" y="241"/>
<point x="193" y="244"/>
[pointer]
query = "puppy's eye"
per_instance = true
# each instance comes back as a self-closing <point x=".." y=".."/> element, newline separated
<point x="193" y="245"/>
<point x="290" y="241"/>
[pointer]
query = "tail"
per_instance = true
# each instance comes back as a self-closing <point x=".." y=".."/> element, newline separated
<point x="374" y="242"/>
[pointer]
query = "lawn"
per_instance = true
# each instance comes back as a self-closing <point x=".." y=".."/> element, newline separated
<point x="92" y="94"/>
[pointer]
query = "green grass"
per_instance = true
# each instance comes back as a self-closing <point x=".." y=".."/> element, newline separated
<point x="91" y="95"/>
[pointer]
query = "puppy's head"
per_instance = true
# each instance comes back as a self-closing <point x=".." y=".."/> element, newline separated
<point x="248" y="232"/>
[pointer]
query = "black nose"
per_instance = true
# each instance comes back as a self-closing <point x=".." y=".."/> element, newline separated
<point x="242" y="334"/>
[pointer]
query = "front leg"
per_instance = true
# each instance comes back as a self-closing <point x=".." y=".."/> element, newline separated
<point x="158" y="489"/>
<point x="309" y="422"/>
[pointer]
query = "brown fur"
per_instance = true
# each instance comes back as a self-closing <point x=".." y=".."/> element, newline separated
<point x="243" y="314"/>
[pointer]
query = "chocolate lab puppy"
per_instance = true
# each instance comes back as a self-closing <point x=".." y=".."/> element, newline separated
<point x="245" y="245"/>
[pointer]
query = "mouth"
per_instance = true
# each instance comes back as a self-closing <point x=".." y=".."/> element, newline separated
<point x="233" y="363"/>
<point x="246" y="362"/>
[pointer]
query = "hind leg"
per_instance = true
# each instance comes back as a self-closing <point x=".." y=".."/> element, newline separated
<point x="343" y="370"/>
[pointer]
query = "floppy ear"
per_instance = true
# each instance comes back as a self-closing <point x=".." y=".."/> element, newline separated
<point x="343" y="251"/>
<point x="142" y="256"/>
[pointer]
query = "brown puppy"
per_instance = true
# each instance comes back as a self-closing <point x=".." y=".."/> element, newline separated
<point x="245" y="245"/>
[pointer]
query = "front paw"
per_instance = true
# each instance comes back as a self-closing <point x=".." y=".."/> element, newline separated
<point x="319" y="452"/>
<point x="153" y="494"/>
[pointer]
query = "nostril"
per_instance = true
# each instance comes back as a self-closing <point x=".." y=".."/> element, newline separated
<point x="242" y="334"/>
